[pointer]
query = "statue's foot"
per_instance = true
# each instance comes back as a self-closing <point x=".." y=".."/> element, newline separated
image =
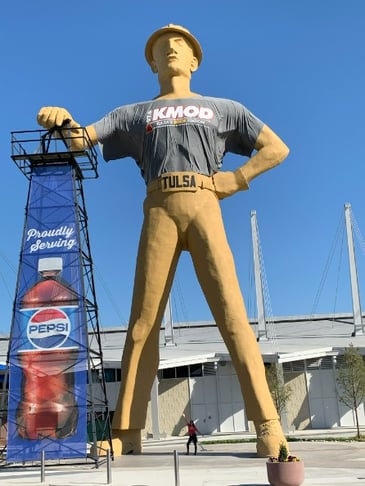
<point x="269" y="438"/>
<point x="123" y="442"/>
<point x="127" y="442"/>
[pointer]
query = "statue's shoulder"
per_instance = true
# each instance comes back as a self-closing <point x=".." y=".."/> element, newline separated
<point x="220" y="101"/>
<point x="224" y="106"/>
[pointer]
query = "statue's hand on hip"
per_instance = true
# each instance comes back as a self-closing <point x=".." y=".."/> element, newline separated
<point x="228" y="183"/>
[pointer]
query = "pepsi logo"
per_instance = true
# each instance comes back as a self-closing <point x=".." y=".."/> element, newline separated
<point x="48" y="328"/>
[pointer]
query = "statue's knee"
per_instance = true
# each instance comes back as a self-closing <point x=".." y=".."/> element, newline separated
<point x="140" y="332"/>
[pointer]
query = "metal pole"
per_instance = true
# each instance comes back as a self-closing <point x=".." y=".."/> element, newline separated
<point x="358" y="325"/>
<point x="261" y="320"/>
<point x="43" y="480"/>
<point x="154" y="410"/>
<point x="176" y="466"/>
<point x="108" y="468"/>
<point x="169" y="325"/>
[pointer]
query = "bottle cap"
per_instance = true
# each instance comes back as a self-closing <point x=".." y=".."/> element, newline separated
<point x="49" y="264"/>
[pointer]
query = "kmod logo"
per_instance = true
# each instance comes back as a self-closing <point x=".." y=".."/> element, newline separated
<point x="48" y="328"/>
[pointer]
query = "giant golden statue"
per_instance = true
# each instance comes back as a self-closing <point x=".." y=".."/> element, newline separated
<point x="178" y="140"/>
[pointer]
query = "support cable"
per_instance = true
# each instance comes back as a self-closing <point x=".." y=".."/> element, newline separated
<point x="266" y="293"/>
<point x="357" y="232"/>
<point x="327" y="266"/>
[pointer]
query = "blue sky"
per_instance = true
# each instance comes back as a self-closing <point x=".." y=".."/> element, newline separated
<point x="299" y="66"/>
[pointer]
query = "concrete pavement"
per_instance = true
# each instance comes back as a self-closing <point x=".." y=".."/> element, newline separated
<point x="218" y="464"/>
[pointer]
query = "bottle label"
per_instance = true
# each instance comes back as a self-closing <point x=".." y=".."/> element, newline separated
<point x="47" y="328"/>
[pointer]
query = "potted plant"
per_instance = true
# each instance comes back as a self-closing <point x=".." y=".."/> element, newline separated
<point x="285" y="470"/>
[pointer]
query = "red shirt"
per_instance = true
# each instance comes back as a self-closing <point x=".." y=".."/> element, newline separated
<point x="192" y="429"/>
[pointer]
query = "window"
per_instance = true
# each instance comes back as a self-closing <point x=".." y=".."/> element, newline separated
<point x="109" y="375"/>
<point x="168" y="373"/>
<point x="182" y="372"/>
<point x="196" y="370"/>
<point x="193" y="370"/>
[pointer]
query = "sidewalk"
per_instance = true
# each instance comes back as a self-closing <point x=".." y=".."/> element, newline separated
<point x="233" y="464"/>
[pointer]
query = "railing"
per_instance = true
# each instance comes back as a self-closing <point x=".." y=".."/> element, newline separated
<point x="30" y="148"/>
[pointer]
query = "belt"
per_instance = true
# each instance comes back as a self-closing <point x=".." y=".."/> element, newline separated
<point x="181" y="181"/>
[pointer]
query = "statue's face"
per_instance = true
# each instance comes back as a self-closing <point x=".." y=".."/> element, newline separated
<point x="173" y="55"/>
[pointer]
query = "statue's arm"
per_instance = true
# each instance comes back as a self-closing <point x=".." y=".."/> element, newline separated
<point x="270" y="152"/>
<point x="53" y="116"/>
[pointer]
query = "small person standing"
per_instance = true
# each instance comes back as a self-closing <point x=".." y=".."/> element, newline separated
<point x="193" y="438"/>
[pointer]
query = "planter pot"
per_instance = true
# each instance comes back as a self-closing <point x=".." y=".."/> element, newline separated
<point x="285" y="473"/>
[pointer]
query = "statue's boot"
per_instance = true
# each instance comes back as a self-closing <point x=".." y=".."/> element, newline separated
<point x="127" y="442"/>
<point x="123" y="442"/>
<point x="269" y="438"/>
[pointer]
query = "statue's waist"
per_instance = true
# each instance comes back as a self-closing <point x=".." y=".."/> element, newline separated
<point x="181" y="181"/>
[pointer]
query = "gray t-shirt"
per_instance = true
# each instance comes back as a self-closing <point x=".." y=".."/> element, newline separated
<point x="189" y="134"/>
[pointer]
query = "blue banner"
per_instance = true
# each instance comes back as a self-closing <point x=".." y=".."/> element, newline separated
<point x="48" y="356"/>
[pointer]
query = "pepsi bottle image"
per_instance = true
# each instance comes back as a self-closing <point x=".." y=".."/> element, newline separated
<point x="48" y="408"/>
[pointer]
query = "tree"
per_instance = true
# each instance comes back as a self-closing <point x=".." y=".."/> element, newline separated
<point x="351" y="378"/>
<point x="279" y="391"/>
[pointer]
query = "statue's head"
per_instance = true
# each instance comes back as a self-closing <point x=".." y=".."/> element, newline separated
<point x="173" y="35"/>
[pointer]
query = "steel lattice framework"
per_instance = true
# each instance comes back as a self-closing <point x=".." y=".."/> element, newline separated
<point x="34" y="148"/>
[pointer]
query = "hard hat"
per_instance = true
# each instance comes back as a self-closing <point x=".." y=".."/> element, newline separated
<point x="198" y="53"/>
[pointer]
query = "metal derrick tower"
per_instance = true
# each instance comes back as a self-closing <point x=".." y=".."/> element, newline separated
<point x="34" y="151"/>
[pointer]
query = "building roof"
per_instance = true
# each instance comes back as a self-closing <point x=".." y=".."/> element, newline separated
<point x="288" y="339"/>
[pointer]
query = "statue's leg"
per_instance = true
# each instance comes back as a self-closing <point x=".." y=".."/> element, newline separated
<point x="158" y="254"/>
<point x="215" y="268"/>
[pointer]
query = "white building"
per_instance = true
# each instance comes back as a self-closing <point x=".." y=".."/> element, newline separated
<point x="196" y="376"/>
